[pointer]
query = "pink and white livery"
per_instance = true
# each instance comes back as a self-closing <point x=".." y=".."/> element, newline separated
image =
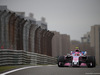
<point x="76" y="58"/>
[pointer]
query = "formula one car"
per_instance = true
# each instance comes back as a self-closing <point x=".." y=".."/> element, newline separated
<point x="76" y="58"/>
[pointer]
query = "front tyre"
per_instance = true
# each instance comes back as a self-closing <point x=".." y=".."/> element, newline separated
<point x="61" y="61"/>
<point x="60" y="64"/>
<point x="91" y="61"/>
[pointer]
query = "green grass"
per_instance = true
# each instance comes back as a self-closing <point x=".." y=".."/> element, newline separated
<point x="6" y="68"/>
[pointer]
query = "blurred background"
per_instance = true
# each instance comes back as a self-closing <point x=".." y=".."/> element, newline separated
<point x="50" y="27"/>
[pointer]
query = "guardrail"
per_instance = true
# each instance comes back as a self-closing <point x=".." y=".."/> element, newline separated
<point x="20" y="57"/>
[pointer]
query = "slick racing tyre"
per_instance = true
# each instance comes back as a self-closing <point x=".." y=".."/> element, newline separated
<point x="61" y="61"/>
<point x="91" y="61"/>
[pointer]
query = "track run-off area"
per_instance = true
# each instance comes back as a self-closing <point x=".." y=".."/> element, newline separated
<point x="54" y="70"/>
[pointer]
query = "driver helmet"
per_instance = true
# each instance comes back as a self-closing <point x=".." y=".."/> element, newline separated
<point x="77" y="49"/>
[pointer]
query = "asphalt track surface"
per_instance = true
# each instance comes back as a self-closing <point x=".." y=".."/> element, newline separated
<point x="55" y="70"/>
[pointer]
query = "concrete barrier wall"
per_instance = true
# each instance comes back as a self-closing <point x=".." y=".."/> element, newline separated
<point x="20" y="57"/>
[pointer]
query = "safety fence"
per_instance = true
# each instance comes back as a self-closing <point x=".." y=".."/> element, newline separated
<point x="20" y="57"/>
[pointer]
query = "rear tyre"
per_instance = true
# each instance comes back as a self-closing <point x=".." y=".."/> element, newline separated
<point x="91" y="61"/>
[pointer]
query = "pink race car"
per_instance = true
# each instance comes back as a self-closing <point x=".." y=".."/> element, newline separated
<point x="76" y="58"/>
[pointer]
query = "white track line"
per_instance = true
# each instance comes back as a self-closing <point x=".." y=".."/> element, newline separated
<point x="21" y="69"/>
